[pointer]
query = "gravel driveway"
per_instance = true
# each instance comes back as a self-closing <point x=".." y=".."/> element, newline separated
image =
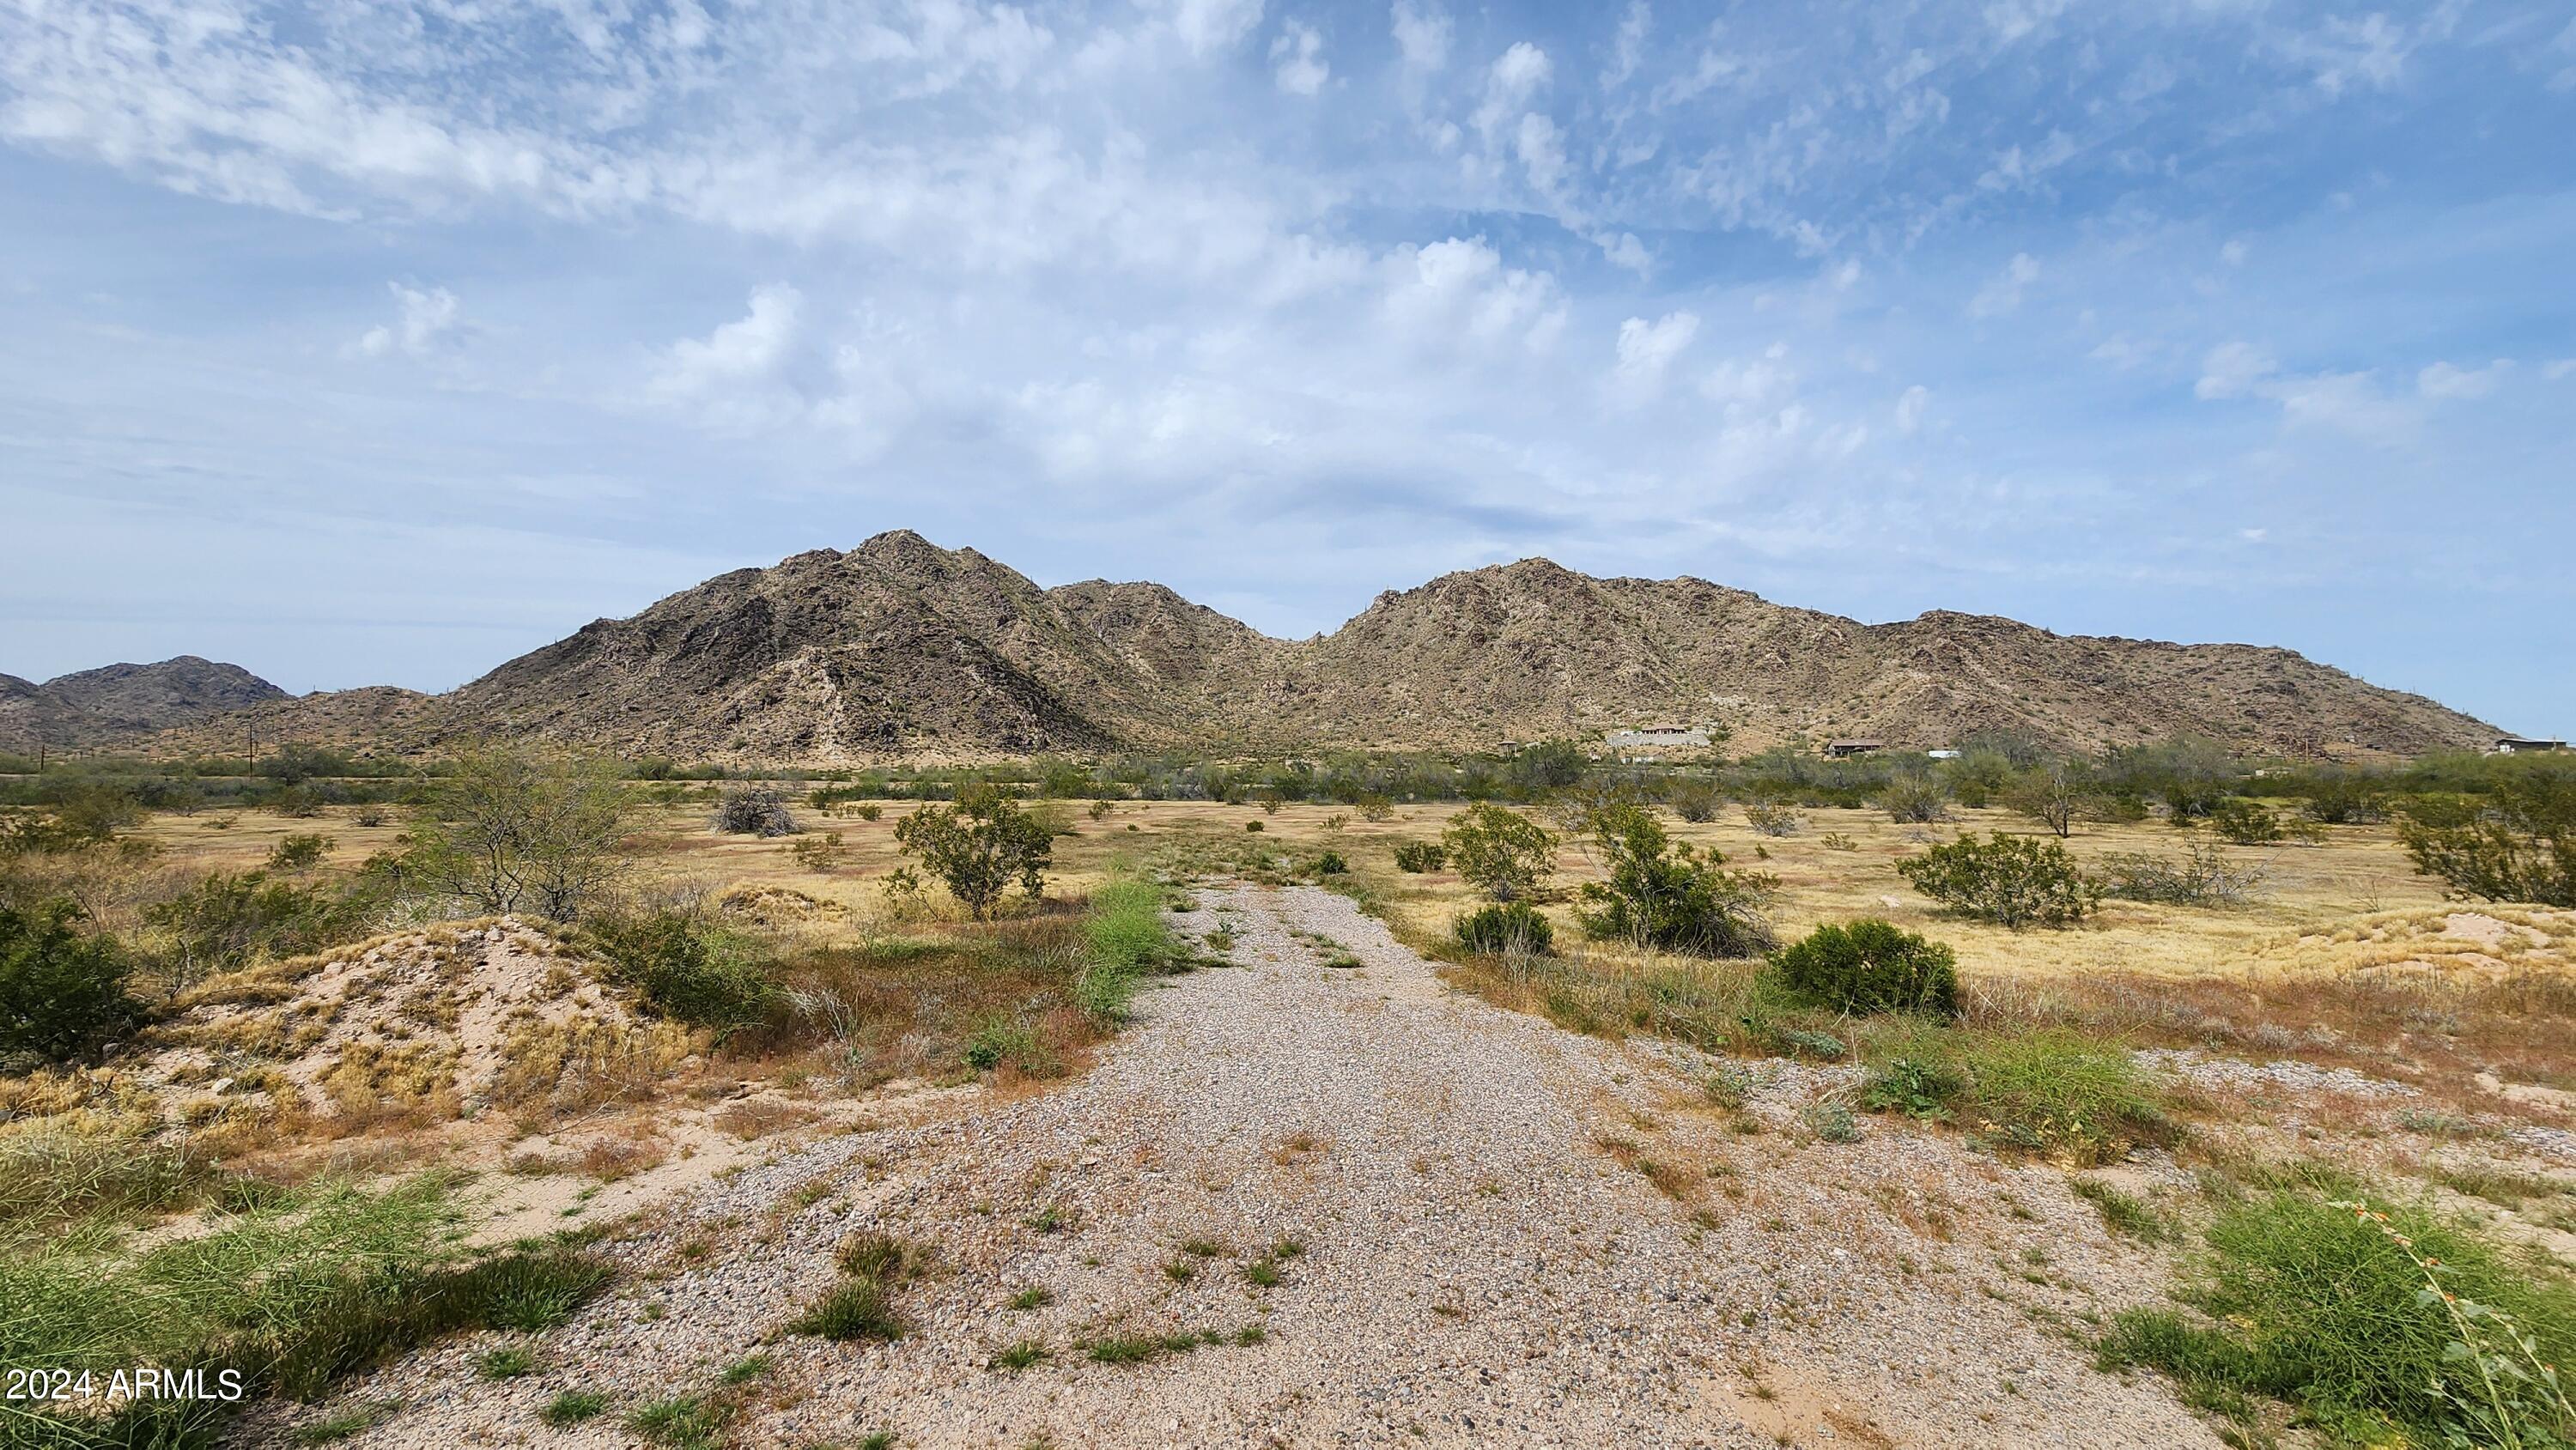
<point x="1482" y="1254"/>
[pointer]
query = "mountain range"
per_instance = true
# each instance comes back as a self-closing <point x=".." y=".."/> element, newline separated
<point x="899" y="649"/>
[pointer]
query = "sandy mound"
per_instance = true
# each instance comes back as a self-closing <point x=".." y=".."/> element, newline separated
<point x="2492" y="941"/>
<point x="434" y="1024"/>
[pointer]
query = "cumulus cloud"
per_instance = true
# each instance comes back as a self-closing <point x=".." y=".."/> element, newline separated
<point x="1459" y="294"/>
<point x="1646" y="353"/>
<point x="1296" y="60"/>
<point x="1422" y="35"/>
<point x="1212" y="25"/>
<point x="427" y="319"/>
<point x="735" y="376"/>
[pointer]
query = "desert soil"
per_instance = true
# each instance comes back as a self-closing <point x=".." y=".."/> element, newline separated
<point x="1483" y="1258"/>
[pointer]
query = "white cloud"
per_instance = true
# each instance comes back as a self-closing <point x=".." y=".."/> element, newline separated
<point x="1458" y="296"/>
<point x="1629" y="45"/>
<point x="427" y="319"/>
<point x="1646" y="353"/>
<point x="2232" y="370"/>
<point x="2232" y="252"/>
<point x="2350" y="403"/>
<point x="1296" y="59"/>
<point x="2563" y="367"/>
<point x="1422" y="35"/>
<point x="1909" y="408"/>
<point x="2003" y="294"/>
<point x="2444" y="380"/>
<point x="1541" y="154"/>
<point x="1205" y="26"/>
<point x="733" y="378"/>
<point x="1515" y="76"/>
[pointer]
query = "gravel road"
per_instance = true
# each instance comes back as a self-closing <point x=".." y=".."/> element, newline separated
<point x="1506" y="1234"/>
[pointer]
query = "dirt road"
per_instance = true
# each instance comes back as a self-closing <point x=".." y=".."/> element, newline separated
<point x="1503" y="1234"/>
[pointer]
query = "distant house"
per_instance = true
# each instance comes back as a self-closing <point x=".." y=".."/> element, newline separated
<point x="2516" y="745"/>
<point x="1943" y="754"/>
<point x="1839" y="748"/>
<point x="1658" y="737"/>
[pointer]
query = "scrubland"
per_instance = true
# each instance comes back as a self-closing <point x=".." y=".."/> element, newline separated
<point x="2278" y="1108"/>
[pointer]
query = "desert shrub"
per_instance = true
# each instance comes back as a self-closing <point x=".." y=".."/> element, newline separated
<point x="2345" y="800"/>
<point x="1500" y="852"/>
<point x="369" y="816"/>
<point x="1270" y="798"/>
<point x="298" y="802"/>
<point x="1330" y="863"/>
<point x="1773" y="818"/>
<point x="62" y="991"/>
<point x="506" y="830"/>
<point x="2245" y="823"/>
<point x="1694" y="801"/>
<point x="299" y="852"/>
<point x="2372" y="1319"/>
<point x="1869" y="966"/>
<point x="868" y="810"/>
<point x="2010" y="880"/>
<point x="1548" y="765"/>
<point x="1915" y="800"/>
<point x="754" y="810"/>
<point x="2519" y="845"/>
<point x="683" y="965"/>
<point x="2051" y="795"/>
<point x="820" y="853"/>
<point x="1420" y="856"/>
<point x="979" y="845"/>
<point x="1375" y="807"/>
<point x="1510" y="928"/>
<point x="1252" y="826"/>
<point x="227" y="921"/>
<point x="2201" y="876"/>
<point x="1663" y="893"/>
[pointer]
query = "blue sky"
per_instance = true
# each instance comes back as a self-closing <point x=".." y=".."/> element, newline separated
<point x="380" y="343"/>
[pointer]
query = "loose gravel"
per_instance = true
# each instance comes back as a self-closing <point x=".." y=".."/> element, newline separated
<point x="1504" y="1234"/>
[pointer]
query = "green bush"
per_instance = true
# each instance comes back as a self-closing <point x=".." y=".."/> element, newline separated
<point x="2517" y="845"/>
<point x="1916" y="1087"/>
<point x="1331" y="864"/>
<point x="685" y="967"/>
<point x="979" y="846"/>
<point x="2244" y="823"/>
<point x="1662" y="893"/>
<point x="1915" y="800"/>
<point x="226" y="921"/>
<point x="2057" y="1093"/>
<point x="2011" y="880"/>
<point x="2327" y="1306"/>
<point x="1420" y="856"/>
<point x="1695" y="801"/>
<point x="1500" y="852"/>
<point x="1869" y="966"/>
<point x="62" y="992"/>
<point x="1513" y="928"/>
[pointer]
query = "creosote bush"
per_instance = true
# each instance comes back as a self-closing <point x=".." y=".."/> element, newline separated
<point x="1420" y="856"/>
<point x="1773" y="818"/>
<point x="1500" y="852"/>
<point x="979" y="846"/>
<point x="1665" y="894"/>
<point x="2201" y="876"/>
<point x="1511" y="928"/>
<point x="2518" y="844"/>
<point x="1869" y="966"/>
<point x="2010" y="880"/>
<point x="62" y="991"/>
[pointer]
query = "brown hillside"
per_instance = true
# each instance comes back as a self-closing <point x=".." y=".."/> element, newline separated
<point x="902" y="649"/>
<point x="124" y="702"/>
